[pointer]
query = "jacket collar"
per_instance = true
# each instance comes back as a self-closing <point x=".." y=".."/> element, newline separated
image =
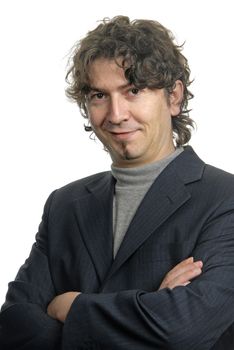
<point x="188" y="166"/>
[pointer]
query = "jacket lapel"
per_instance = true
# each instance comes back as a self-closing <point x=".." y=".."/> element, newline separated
<point x="94" y="212"/>
<point x="168" y="193"/>
<point x="94" y="217"/>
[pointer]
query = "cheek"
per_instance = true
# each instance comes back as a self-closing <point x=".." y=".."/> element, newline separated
<point x="95" y="118"/>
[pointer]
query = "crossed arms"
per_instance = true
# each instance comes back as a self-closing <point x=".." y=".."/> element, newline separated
<point x="180" y="275"/>
<point x="180" y="315"/>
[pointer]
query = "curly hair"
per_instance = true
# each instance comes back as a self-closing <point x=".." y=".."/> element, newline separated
<point x="149" y="57"/>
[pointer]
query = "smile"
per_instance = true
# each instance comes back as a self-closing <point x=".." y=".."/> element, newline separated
<point x="125" y="135"/>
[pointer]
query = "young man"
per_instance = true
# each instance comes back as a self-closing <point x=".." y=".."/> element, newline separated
<point x="141" y="257"/>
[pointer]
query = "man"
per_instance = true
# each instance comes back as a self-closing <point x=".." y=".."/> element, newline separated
<point x="141" y="257"/>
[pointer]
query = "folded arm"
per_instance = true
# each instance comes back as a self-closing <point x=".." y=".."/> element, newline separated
<point x="24" y="323"/>
<point x="180" y="275"/>
<point x="179" y="315"/>
<point x="184" y="317"/>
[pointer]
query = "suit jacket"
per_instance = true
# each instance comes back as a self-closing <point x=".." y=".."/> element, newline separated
<point x="188" y="211"/>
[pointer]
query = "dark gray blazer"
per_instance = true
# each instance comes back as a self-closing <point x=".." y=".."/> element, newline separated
<point x="188" y="211"/>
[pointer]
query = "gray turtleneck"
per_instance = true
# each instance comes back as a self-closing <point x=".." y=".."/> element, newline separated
<point x="131" y="186"/>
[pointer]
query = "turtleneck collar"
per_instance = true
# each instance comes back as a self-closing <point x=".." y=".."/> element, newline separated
<point x="141" y="176"/>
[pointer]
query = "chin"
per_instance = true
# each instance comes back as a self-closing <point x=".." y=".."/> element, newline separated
<point x="131" y="153"/>
<point x="125" y="154"/>
<point x="132" y="157"/>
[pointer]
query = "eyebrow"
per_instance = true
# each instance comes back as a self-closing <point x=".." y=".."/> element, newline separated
<point x="121" y="87"/>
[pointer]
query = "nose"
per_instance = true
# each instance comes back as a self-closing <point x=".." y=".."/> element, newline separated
<point x="118" y="111"/>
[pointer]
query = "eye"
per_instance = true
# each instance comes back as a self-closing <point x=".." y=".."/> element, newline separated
<point x="134" y="91"/>
<point x="99" y="95"/>
<point x="94" y="96"/>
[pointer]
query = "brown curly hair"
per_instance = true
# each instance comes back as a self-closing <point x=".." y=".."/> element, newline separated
<point x="150" y="58"/>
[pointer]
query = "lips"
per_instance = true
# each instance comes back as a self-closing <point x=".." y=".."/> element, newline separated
<point x="123" y="135"/>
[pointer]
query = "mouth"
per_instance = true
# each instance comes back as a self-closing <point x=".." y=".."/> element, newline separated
<point x="123" y="135"/>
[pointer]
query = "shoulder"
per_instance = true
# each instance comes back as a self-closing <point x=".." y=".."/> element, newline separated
<point x="215" y="189"/>
<point x="205" y="182"/>
<point x="80" y="184"/>
<point x="78" y="188"/>
<point x="193" y="170"/>
<point x="218" y="179"/>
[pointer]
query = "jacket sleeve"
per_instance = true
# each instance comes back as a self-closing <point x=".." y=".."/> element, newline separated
<point x="192" y="317"/>
<point x="24" y="323"/>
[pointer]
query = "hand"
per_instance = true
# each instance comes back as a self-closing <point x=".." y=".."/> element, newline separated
<point x="182" y="273"/>
<point x="59" y="307"/>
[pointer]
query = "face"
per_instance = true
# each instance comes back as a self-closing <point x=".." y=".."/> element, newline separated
<point x="133" y="124"/>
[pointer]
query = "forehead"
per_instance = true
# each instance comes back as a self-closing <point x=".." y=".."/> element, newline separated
<point x="106" y="73"/>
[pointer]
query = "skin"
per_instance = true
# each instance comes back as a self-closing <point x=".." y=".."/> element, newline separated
<point x="182" y="273"/>
<point x="135" y="126"/>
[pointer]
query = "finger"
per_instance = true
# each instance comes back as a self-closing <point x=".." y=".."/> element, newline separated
<point x="182" y="273"/>
<point x="186" y="283"/>
<point x="185" y="277"/>
<point x="183" y="267"/>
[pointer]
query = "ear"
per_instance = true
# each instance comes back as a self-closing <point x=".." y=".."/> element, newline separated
<point x="176" y="97"/>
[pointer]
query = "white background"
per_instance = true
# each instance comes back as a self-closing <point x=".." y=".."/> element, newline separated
<point x="42" y="142"/>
